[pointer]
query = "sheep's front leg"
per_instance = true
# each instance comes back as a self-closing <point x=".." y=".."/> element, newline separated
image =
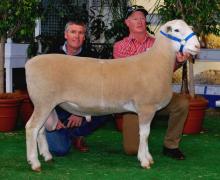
<point x="144" y="155"/>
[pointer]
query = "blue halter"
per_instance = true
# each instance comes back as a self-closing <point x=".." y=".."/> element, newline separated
<point x="181" y="41"/>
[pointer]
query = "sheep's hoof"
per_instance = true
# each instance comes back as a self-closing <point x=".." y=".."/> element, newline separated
<point x="37" y="169"/>
<point x="50" y="161"/>
<point x="151" y="161"/>
<point x="145" y="165"/>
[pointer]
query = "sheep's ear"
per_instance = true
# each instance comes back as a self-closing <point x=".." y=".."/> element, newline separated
<point x="169" y="29"/>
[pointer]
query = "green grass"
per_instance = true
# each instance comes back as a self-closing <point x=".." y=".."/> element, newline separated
<point x="106" y="159"/>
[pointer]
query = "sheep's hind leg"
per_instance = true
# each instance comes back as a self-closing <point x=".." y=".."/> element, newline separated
<point x="43" y="145"/>
<point x="33" y="126"/>
<point x="144" y="155"/>
<point x="31" y="143"/>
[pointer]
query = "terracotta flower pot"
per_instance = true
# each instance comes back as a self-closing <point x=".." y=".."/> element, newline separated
<point x="194" y="121"/>
<point x="26" y="108"/>
<point x="9" y="108"/>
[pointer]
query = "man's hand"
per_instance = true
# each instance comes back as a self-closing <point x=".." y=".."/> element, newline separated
<point x="182" y="57"/>
<point x="60" y="125"/>
<point x="74" y="121"/>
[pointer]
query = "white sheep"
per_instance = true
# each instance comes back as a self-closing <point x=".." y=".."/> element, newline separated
<point x="87" y="86"/>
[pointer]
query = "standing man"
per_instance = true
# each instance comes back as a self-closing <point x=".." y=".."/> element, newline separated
<point x="137" y="42"/>
<point x="71" y="129"/>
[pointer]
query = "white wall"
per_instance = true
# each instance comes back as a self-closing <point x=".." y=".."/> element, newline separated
<point x="148" y="4"/>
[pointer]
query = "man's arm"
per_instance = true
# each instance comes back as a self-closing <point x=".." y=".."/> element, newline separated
<point x="74" y="121"/>
<point x="66" y="119"/>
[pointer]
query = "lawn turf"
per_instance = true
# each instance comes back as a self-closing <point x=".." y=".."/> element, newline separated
<point x="107" y="161"/>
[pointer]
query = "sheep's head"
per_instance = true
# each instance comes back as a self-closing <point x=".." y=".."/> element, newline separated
<point x="182" y="36"/>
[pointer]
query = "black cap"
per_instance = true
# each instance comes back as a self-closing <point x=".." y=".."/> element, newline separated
<point x="135" y="8"/>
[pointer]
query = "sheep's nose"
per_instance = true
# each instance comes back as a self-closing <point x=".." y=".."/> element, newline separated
<point x="197" y="46"/>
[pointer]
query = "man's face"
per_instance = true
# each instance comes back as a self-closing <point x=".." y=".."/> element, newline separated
<point x="136" y="22"/>
<point x="75" y="35"/>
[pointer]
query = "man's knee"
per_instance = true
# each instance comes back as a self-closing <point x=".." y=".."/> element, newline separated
<point x="61" y="151"/>
<point x="184" y="100"/>
<point x="180" y="103"/>
<point x="59" y="142"/>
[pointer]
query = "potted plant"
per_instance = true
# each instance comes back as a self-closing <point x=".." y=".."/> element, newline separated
<point x="17" y="20"/>
<point x="204" y="17"/>
<point x="9" y="109"/>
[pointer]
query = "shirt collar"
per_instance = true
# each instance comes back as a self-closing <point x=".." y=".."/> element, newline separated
<point x="132" y="38"/>
<point x="65" y="49"/>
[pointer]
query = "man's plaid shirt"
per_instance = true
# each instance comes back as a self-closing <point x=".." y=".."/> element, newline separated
<point x="130" y="46"/>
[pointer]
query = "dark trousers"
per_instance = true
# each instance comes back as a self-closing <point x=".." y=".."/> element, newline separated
<point x="60" y="141"/>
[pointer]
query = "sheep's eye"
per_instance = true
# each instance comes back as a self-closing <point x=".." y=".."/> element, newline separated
<point x="191" y="27"/>
<point x="176" y="30"/>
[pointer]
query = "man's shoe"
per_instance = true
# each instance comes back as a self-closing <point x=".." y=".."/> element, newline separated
<point x="173" y="153"/>
<point x="79" y="144"/>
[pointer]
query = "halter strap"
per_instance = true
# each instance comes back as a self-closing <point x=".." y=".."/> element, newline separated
<point x="181" y="41"/>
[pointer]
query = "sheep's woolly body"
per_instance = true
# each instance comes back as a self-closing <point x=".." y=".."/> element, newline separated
<point x="87" y="86"/>
<point x="94" y="81"/>
<point x="102" y="84"/>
